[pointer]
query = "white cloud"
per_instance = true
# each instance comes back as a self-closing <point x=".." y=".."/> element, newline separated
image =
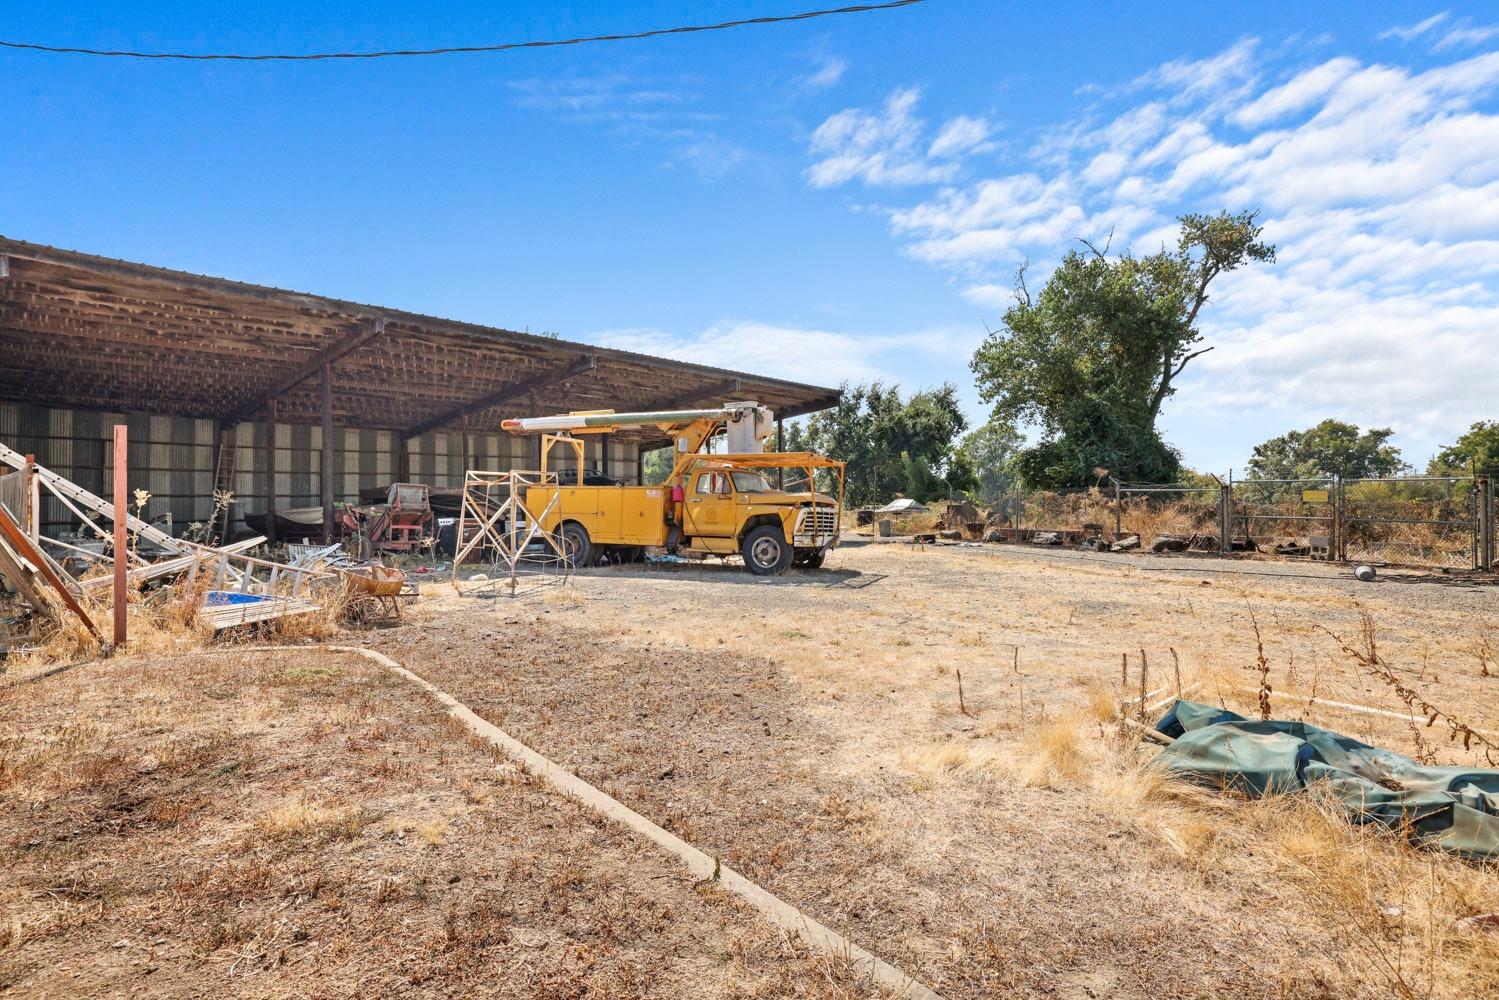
<point x="1299" y="92"/>
<point x="961" y="135"/>
<point x="989" y="295"/>
<point x="601" y="98"/>
<point x="802" y="354"/>
<point x="1409" y="32"/>
<point x="884" y="148"/>
<point x="1379" y="183"/>
<point x="829" y="71"/>
<point x="1189" y="79"/>
<point x="1466" y="34"/>
<point x="706" y="154"/>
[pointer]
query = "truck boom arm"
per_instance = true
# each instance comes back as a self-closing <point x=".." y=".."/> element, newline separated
<point x="749" y="425"/>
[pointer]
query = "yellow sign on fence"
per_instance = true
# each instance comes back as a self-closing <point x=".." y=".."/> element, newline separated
<point x="1315" y="496"/>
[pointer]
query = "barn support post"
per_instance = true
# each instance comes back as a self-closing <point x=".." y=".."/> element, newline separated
<point x="121" y="551"/>
<point x="464" y="433"/>
<point x="400" y="457"/>
<point x="270" y="471"/>
<point x="780" y="447"/>
<point x="325" y="477"/>
<point x="605" y="441"/>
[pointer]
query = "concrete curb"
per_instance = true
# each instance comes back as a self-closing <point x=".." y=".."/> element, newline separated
<point x="774" y="909"/>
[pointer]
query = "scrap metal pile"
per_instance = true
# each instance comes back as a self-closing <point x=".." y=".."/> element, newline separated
<point x="222" y="586"/>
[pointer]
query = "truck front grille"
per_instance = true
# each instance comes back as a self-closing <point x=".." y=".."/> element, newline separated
<point x="817" y="521"/>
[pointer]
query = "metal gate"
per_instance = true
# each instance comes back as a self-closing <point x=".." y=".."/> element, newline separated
<point x="1437" y="521"/>
<point x="1265" y="509"/>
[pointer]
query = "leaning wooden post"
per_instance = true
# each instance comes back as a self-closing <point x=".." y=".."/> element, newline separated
<point x="29" y="495"/>
<point x="121" y="511"/>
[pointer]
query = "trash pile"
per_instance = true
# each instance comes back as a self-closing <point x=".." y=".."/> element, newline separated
<point x="214" y="587"/>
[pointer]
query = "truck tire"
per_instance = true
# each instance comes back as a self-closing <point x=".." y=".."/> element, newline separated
<point x="577" y="544"/>
<point x="812" y="560"/>
<point x="765" y="551"/>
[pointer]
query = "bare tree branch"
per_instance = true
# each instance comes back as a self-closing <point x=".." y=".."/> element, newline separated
<point x="1100" y="254"/>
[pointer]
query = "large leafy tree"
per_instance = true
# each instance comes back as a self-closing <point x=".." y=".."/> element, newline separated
<point x="1331" y="448"/>
<point x="892" y="445"/>
<point x="1477" y="450"/>
<point x="991" y="451"/>
<point x="1091" y="358"/>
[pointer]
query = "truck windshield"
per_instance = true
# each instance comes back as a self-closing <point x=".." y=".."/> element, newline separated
<point x="751" y="482"/>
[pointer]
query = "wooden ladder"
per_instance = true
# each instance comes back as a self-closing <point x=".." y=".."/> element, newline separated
<point x="223" y="476"/>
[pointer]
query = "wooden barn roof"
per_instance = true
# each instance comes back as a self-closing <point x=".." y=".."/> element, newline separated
<point x="91" y="332"/>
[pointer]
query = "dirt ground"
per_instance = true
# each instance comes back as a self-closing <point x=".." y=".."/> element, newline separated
<point x="305" y="824"/>
<point x="809" y="730"/>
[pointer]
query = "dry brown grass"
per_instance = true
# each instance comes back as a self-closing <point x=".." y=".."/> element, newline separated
<point x="165" y="621"/>
<point x="295" y="823"/>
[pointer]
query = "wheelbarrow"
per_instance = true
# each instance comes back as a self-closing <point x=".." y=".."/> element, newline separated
<point x="372" y="591"/>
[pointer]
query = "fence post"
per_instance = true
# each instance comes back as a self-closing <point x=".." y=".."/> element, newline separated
<point x="1337" y="550"/>
<point x="1118" y="513"/>
<point x="1485" y="490"/>
<point x="121" y="512"/>
<point x="1225" y="518"/>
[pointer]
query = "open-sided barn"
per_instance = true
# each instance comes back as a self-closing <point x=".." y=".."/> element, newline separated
<point x="257" y="390"/>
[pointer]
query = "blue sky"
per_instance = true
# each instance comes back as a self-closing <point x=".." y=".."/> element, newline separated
<point x="845" y="198"/>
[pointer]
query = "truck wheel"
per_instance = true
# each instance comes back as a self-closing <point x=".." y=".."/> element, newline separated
<point x="765" y="551"/>
<point x="576" y="544"/>
<point x="812" y="560"/>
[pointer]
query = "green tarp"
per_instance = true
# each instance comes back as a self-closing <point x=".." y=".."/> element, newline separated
<point x="1453" y="809"/>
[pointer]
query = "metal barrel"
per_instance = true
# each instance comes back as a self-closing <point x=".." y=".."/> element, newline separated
<point x="582" y="421"/>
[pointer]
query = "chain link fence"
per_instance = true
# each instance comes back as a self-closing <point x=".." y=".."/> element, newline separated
<point x="1425" y="521"/>
<point x="1417" y="520"/>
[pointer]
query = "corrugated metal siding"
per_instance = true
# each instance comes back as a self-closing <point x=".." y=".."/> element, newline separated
<point x="174" y="459"/>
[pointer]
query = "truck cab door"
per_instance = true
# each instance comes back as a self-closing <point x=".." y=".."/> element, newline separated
<point x="710" y="505"/>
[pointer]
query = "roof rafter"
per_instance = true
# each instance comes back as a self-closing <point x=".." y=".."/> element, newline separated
<point x="342" y="348"/>
<point x="725" y="388"/>
<point x="579" y="365"/>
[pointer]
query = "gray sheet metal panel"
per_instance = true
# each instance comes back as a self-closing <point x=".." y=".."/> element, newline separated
<point x="174" y="458"/>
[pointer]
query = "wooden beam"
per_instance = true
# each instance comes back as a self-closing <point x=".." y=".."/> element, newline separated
<point x="122" y="451"/>
<point x="713" y="391"/>
<point x="583" y="363"/>
<point x="811" y="406"/>
<point x="65" y="490"/>
<point x="325" y="478"/>
<point x="270" y="472"/>
<point x="344" y="347"/>
<point x="464" y="432"/>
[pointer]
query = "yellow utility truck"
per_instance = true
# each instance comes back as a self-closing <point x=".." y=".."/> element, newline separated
<point x="763" y="506"/>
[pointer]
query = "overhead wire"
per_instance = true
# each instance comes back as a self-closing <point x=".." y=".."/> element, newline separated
<point x="463" y="49"/>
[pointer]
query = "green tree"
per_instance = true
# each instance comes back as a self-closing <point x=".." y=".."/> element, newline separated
<point x="656" y="466"/>
<point x="1478" y="450"/>
<point x="892" y="445"/>
<point x="990" y="450"/>
<point x="1331" y="448"/>
<point x="1092" y="358"/>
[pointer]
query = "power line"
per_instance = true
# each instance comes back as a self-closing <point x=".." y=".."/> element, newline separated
<point x="502" y="47"/>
